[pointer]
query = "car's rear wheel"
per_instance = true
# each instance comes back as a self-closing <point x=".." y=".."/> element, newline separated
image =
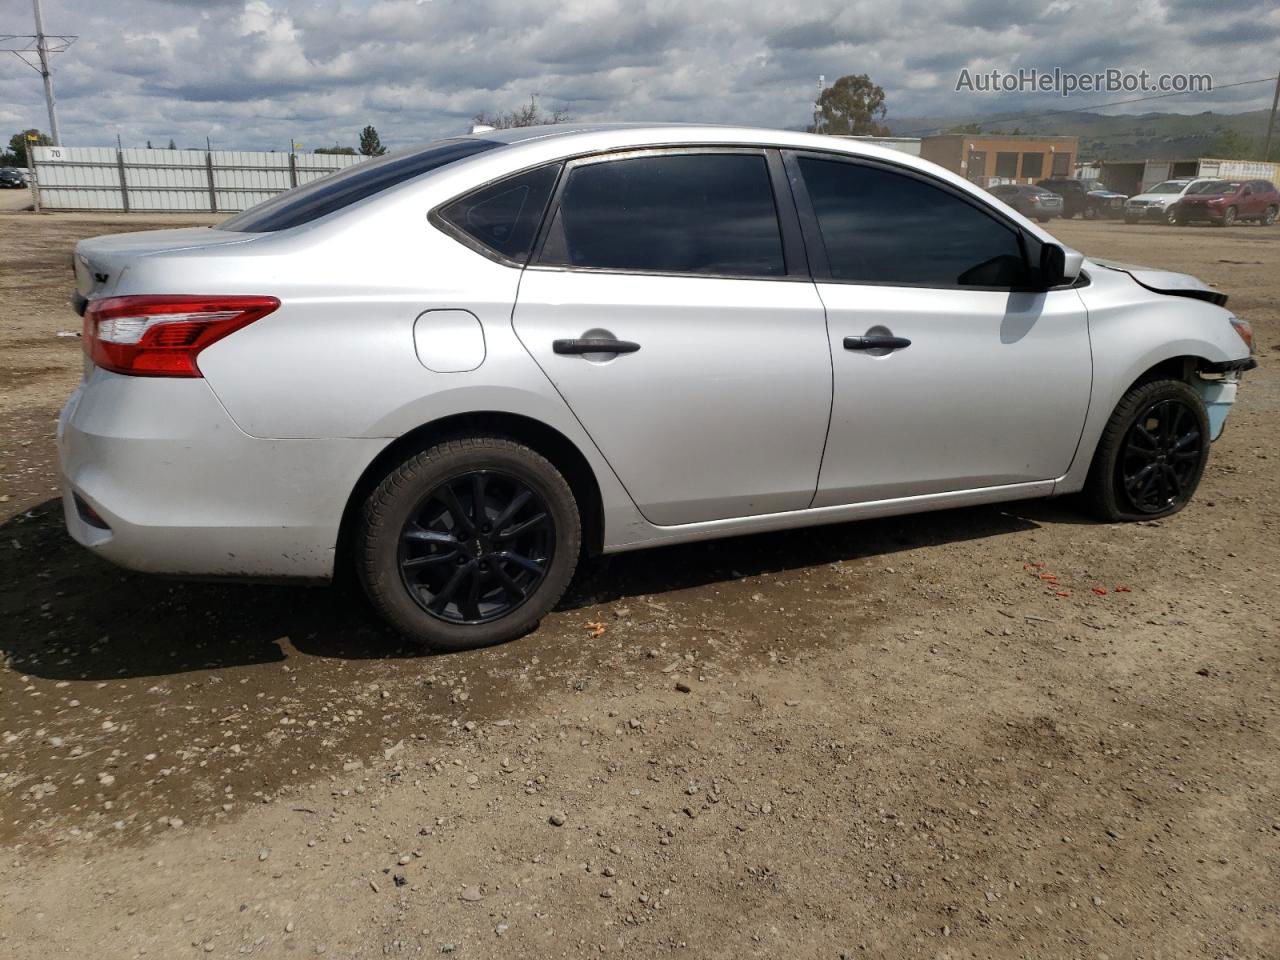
<point x="469" y="543"/>
<point x="1151" y="455"/>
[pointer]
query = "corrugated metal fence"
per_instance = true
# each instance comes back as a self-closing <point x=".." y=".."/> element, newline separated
<point x="217" y="181"/>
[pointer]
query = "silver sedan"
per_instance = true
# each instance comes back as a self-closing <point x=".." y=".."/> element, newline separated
<point x="461" y="368"/>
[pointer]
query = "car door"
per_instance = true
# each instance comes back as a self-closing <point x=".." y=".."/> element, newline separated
<point x="683" y="330"/>
<point x="949" y="374"/>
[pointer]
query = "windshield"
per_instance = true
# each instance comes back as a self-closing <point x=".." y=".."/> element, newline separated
<point x="1094" y="185"/>
<point x="1216" y="186"/>
<point x="304" y="204"/>
<point x="1169" y="186"/>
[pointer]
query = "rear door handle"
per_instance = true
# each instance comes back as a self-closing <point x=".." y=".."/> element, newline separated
<point x="594" y="345"/>
<point x="876" y="343"/>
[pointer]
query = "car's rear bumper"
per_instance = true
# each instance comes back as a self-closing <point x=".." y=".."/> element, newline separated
<point x="167" y="483"/>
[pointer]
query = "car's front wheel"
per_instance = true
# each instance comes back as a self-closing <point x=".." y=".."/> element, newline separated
<point x="1269" y="216"/>
<point x="468" y="543"/>
<point x="1151" y="455"/>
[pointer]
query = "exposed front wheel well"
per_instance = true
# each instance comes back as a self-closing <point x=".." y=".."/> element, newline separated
<point x="1175" y="368"/>
<point x="549" y="442"/>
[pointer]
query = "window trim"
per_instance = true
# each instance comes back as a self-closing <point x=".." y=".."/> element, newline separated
<point x="790" y="234"/>
<point x="437" y="219"/>
<point x="819" y="264"/>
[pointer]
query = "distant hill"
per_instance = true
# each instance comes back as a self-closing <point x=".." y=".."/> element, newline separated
<point x="1147" y="136"/>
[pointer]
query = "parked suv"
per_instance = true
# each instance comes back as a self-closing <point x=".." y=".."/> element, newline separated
<point x="1033" y="202"/>
<point x="10" y="178"/>
<point x="456" y="370"/>
<point x="1156" y="205"/>
<point x="1089" y="198"/>
<point x="1225" y="202"/>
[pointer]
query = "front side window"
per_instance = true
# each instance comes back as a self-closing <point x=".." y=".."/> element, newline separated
<point x="702" y="213"/>
<point x="504" y="216"/>
<point x="879" y="226"/>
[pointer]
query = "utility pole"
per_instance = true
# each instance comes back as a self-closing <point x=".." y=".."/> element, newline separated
<point x="41" y="45"/>
<point x="1275" y="99"/>
<point x="42" y="49"/>
<point x="817" y="104"/>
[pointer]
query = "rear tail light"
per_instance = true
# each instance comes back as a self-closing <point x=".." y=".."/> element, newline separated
<point x="1245" y="329"/>
<point x="160" y="336"/>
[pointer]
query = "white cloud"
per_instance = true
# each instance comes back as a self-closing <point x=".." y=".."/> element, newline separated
<point x="253" y="73"/>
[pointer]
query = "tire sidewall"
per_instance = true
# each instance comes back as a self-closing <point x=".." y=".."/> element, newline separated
<point x="402" y="493"/>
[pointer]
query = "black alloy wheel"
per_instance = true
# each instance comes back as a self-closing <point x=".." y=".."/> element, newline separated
<point x="476" y="547"/>
<point x="1161" y="459"/>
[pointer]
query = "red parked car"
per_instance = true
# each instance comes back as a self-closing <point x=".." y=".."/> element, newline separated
<point x="1225" y="202"/>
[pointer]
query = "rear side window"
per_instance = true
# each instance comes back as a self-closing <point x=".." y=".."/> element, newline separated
<point x="884" y="227"/>
<point x="710" y="214"/>
<point x="304" y="204"/>
<point x="503" y="217"/>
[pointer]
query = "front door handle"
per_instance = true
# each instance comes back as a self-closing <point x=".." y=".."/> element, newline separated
<point x="594" y="345"/>
<point x="876" y="343"/>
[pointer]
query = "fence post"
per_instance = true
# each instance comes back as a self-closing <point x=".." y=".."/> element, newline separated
<point x="213" y="196"/>
<point x="31" y="177"/>
<point x="124" y="184"/>
<point x="293" y="169"/>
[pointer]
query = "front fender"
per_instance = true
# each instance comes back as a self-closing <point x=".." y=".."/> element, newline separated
<point x="1132" y="330"/>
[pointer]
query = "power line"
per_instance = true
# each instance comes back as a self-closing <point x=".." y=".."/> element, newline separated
<point x="38" y="43"/>
<point x="997" y="118"/>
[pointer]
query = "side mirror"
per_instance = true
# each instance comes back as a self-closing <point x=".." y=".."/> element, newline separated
<point x="1058" y="265"/>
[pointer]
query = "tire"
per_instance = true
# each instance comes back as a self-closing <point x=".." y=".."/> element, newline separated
<point x="1043" y="219"/>
<point x="419" y="534"/>
<point x="1120" y="487"/>
<point x="1269" y="216"/>
<point x="1090" y="213"/>
<point x="1229" y="216"/>
<point x="1171" y="217"/>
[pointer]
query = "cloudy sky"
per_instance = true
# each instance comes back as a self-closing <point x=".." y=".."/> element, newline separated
<point x="252" y="73"/>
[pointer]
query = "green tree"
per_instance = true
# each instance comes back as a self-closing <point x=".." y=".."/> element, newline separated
<point x="1234" y="145"/>
<point x="370" y="143"/>
<point x="969" y="128"/>
<point x="529" y="115"/>
<point x="853" y="105"/>
<point x="16" y="156"/>
<point x="335" y="149"/>
<point x="172" y="145"/>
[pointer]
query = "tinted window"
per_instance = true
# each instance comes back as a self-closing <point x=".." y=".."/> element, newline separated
<point x="304" y="204"/>
<point x="1006" y="164"/>
<point x="1032" y="164"/>
<point x="505" y="216"/>
<point x="696" y="213"/>
<point x="884" y="227"/>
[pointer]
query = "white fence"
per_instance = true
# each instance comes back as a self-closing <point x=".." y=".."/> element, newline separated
<point x="171" y="181"/>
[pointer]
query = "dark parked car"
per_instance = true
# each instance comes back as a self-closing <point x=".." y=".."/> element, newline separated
<point x="1089" y="198"/>
<point x="11" y="178"/>
<point x="1225" y="202"/>
<point x="1034" y="203"/>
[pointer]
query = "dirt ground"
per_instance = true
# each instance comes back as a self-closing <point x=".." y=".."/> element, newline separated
<point x="886" y="739"/>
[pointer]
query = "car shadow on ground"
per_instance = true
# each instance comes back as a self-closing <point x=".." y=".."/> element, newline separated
<point x="70" y="616"/>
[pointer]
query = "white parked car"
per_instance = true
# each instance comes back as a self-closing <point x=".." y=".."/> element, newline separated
<point x="1157" y="204"/>
<point x="457" y="369"/>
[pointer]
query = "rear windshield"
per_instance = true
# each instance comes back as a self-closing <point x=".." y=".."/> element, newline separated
<point x="304" y="204"/>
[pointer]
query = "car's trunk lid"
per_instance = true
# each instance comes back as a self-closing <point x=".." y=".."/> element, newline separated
<point x="99" y="261"/>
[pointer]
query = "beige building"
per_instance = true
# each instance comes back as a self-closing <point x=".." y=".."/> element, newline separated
<point x="987" y="159"/>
